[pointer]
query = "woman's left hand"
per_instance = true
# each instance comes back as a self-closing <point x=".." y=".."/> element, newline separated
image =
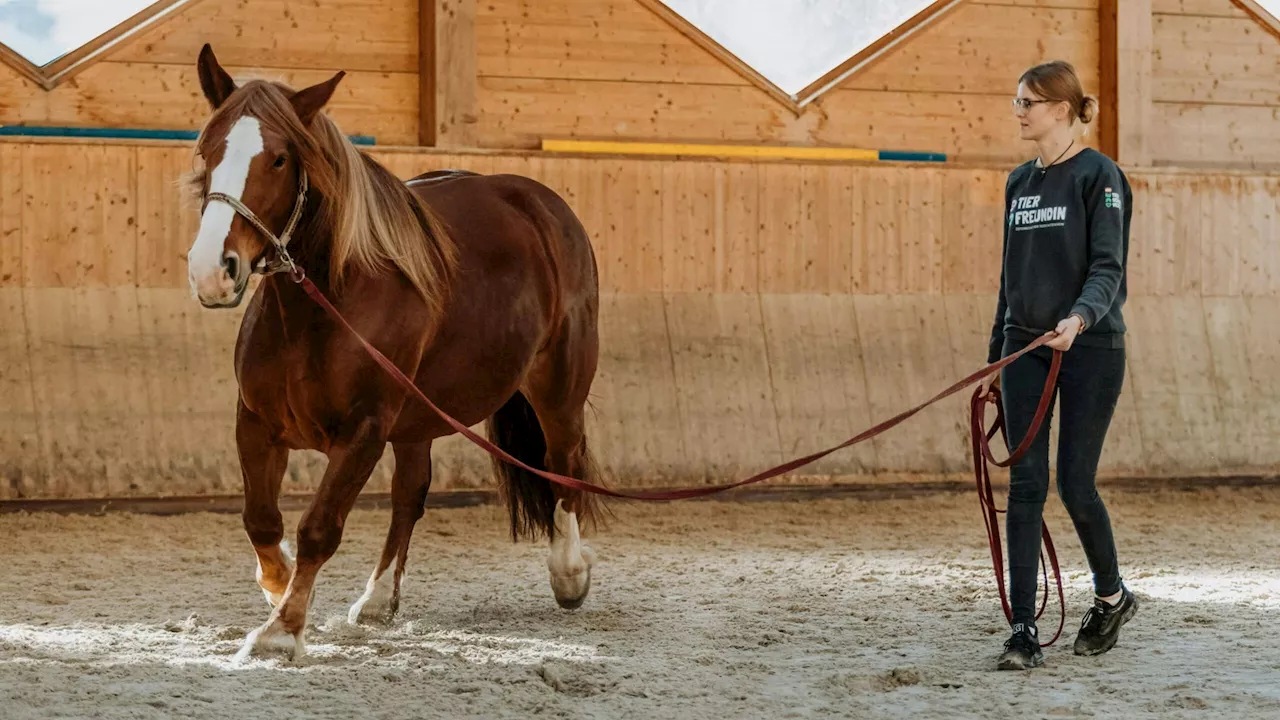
<point x="1067" y="330"/>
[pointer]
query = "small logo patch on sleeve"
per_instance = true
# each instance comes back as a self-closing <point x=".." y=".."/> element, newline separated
<point x="1112" y="199"/>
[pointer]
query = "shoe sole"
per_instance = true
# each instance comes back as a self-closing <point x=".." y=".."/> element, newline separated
<point x="1124" y="618"/>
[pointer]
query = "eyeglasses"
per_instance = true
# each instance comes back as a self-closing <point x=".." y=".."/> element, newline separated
<point x="1021" y="105"/>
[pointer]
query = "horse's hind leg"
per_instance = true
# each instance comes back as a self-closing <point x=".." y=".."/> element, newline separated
<point x="569" y="561"/>
<point x="409" y="486"/>
<point x="319" y="534"/>
<point x="558" y="386"/>
<point x="262" y="465"/>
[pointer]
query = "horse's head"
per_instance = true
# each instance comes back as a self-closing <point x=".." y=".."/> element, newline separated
<point x="252" y="151"/>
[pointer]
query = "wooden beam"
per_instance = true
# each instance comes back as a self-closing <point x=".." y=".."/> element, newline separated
<point x="1127" y="86"/>
<point x="427" y="72"/>
<point x="447" y="73"/>
<point x="704" y="41"/>
<point x="877" y="50"/>
<point x="78" y="60"/>
<point x="1264" y="18"/>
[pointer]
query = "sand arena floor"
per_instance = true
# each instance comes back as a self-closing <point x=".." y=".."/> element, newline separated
<point x="849" y="608"/>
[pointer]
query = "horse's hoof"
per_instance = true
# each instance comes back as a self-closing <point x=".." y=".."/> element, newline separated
<point x="271" y="638"/>
<point x="372" y="611"/>
<point x="380" y="601"/>
<point x="571" y="592"/>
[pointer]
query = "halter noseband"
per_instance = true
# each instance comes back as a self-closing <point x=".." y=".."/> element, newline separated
<point x="283" y="262"/>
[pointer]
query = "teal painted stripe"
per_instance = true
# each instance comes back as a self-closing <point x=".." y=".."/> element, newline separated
<point x="909" y="156"/>
<point x="123" y="133"/>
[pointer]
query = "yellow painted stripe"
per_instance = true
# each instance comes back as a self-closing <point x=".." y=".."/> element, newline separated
<point x="746" y="151"/>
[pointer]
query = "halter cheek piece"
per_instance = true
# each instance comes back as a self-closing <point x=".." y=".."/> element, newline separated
<point x="283" y="262"/>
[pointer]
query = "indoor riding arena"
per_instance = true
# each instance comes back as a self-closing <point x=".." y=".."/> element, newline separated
<point x="758" y="229"/>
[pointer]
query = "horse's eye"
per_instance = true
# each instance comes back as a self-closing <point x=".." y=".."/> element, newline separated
<point x="279" y="163"/>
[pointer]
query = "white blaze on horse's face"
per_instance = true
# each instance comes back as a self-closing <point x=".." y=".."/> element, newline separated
<point x="217" y="275"/>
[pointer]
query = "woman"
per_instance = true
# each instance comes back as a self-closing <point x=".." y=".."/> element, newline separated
<point x="1066" y="239"/>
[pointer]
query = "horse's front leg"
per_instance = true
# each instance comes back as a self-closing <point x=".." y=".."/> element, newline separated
<point x="262" y="465"/>
<point x="319" y="534"/>
<point x="409" y="486"/>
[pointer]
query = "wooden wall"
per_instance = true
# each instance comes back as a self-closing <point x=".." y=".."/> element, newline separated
<point x="1216" y="94"/>
<point x="151" y="82"/>
<point x="612" y="69"/>
<point x="751" y="312"/>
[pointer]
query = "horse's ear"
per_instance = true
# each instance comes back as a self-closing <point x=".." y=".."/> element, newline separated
<point x="308" y="101"/>
<point x="215" y="81"/>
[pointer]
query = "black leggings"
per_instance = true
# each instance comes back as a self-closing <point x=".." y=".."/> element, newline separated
<point x="1088" y="385"/>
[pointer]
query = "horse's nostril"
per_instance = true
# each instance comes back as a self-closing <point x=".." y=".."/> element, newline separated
<point x="232" y="263"/>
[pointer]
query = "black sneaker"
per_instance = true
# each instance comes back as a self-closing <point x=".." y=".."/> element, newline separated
<point x="1022" y="650"/>
<point x="1100" y="627"/>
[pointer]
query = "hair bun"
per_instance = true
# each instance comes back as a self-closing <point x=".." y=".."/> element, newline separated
<point x="1088" y="109"/>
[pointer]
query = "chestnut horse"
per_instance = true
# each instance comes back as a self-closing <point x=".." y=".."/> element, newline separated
<point x="483" y="289"/>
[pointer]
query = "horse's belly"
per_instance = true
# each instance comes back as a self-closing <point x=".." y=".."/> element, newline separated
<point x="467" y="384"/>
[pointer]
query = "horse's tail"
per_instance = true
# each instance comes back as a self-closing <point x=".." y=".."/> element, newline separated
<point x="529" y="499"/>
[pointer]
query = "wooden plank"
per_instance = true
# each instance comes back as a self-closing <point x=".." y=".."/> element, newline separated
<point x="783" y="256"/>
<point x="635" y="202"/>
<point x="518" y="113"/>
<point x="83" y="232"/>
<point x="455" y="73"/>
<point x="590" y="39"/>
<point x="922" y="218"/>
<point x="1173" y="385"/>
<point x="428" y="72"/>
<point x="1166" y="249"/>
<point x="714" y="48"/>
<point x="353" y="35"/>
<point x="610" y="41"/>
<point x="972" y="221"/>
<point x="913" y="28"/>
<point x="24" y="467"/>
<point x="738" y="228"/>
<point x="1215" y="60"/>
<point x="819" y="383"/>
<point x="826" y="227"/>
<point x="1132" y="82"/>
<point x="899" y="336"/>
<point x="143" y="95"/>
<point x="1263" y="352"/>
<point x="1265" y="13"/>
<point x="1152" y="250"/>
<point x="877" y="252"/>
<point x="11" y="203"/>
<point x="1068" y="4"/>
<point x="687" y="238"/>
<point x="1201" y="8"/>
<point x="722" y="374"/>
<point x="167" y="220"/>
<point x="635" y="429"/>
<point x="191" y="393"/>
<point x="982" y="49"/>
<point x="1259" y="208"/>
<point x="1194" y="135"/>
<point x="91" y="401"/>
<point x="1246" y="394"/>
<point x="1220" y="229"/>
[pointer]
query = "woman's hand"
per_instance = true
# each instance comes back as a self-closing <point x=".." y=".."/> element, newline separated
<point x="988" y="382"/>
<point x="1067" y="330"/>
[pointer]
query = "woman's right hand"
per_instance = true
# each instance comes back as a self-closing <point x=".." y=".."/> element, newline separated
<point x="988" y="382"/>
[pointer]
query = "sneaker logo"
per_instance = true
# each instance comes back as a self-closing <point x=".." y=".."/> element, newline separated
<point x="1019" y="627"/>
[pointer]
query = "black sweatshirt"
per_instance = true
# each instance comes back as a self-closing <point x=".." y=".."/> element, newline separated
<point x="1066" y="240"/>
